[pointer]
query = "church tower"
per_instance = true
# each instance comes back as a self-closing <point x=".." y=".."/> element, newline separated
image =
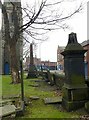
<point x="5" y="52"/>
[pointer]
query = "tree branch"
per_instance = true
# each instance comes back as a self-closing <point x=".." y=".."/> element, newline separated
<point x="34" y="17"/>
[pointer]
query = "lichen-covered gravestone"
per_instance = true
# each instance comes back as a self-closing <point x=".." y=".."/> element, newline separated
<point x="75" y="91"/>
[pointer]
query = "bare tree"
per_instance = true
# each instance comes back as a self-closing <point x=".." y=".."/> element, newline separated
<point x="11" y="37"/>
<point x="38" y="19"/>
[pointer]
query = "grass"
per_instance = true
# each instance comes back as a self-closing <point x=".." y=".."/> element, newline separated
<point x="37" y="108"/>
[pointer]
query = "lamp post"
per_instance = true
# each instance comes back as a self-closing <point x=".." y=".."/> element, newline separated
<point x="22" y="83"/>
<point x="22" y="86"/>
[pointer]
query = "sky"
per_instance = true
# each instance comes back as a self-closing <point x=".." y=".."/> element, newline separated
<point x="78" y="24"/>
<point x="47" y="50"/>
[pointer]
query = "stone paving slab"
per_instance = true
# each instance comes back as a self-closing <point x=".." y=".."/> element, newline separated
<point x="6" y="101"/>
<point x="7" y="110"/>
<point x="53" y="100"/>
<point x="34" y="97"/>
<point x="10" y="96"/>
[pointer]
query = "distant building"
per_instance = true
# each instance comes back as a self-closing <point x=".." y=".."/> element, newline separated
<point x="45" y="64"/>
<point x="85" y="45"/>
<point x="49" y="65"/>
<point x="60" y="58"/>
<point x="37" y="61"/>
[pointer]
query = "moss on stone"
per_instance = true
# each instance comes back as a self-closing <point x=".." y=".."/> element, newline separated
<point x="87" y="106"/>
<point x="65" y="93"/>
<point x="74" y="46"/>
<point x="72" y="105"/>
<point x="77" y="80"/>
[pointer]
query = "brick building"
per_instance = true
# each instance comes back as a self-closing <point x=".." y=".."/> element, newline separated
<point x="50" y="65"/>
<point x="60" y="59"/>
<point x="85" y="45"/>
<point x="39" y="63"/>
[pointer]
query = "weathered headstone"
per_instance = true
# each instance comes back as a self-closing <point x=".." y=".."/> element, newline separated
<point x="7" y="110"/>
<point x="53" y="100"/>
<point x="75" y="91"/>
<point x="34" y="97"/>
<point x="32" y="73"/>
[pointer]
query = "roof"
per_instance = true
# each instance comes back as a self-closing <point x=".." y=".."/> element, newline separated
<point x="61" y="47"/>
<point x="85" y="43"/>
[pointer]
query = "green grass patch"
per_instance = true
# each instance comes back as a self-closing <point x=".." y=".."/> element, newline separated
<point x="8" y="88"/>
<point x="37" y="108"/>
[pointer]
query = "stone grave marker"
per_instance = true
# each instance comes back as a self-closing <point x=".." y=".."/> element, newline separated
<point x="75" y="91"/>
<point x="7" y="110"/>
<point x="53" y="100"/>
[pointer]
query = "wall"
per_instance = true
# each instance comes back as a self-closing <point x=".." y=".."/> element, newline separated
<point x="88" y="20"/>
<point x="86" y="47"/>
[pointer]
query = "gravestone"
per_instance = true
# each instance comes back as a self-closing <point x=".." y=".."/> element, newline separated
<point x="75" y="91"/>
<point x="53" y="100"/>
<point x="7" y="110"/>
<point x="32" y="72"/>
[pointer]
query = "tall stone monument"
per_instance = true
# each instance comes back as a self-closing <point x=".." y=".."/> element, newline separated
<point x="32" y="72"/>
<point x="75" y="91"/>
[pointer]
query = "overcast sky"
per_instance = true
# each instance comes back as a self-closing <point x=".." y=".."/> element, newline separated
<point x="48" y="50"/>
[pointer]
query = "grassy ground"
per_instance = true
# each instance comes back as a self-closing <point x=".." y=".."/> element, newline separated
<point x="37" y="108"/>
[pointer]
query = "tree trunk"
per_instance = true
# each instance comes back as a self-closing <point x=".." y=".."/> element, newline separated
<point x="14" y="64"/>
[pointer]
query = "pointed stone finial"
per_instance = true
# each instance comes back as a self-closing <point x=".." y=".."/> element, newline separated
<point x="72" y="38"/>
<point x="31" y="54"/>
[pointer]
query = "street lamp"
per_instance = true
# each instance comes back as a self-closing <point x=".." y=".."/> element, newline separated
<point x="22" y="84"/>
